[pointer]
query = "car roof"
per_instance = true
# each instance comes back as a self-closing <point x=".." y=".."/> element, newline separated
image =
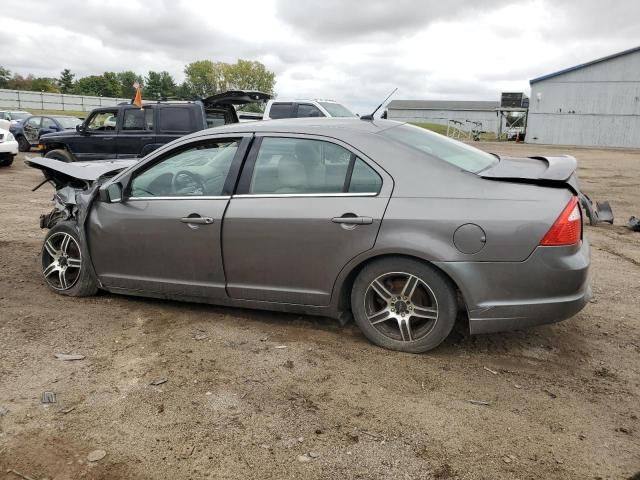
<point x="59" y="116"/>
<point x="318" y="100"/>
<point x="311" y="126"/>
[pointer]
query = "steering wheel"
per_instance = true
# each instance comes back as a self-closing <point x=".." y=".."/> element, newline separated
<point x="188" y="183"/>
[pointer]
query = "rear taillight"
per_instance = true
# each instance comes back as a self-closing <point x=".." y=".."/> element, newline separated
<point x="567" y="229"/>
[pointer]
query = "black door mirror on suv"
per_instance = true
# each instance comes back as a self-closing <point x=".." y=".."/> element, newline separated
<point x="80" y="128"/>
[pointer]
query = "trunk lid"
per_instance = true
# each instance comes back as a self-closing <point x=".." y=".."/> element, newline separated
<point x="545" y="170"/>
<point x="235" y="97"/>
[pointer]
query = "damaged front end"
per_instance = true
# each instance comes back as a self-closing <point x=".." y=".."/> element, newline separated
<point x="76" y="186"/>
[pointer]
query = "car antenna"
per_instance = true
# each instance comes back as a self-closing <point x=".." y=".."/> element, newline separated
<point x="370" y="116"/>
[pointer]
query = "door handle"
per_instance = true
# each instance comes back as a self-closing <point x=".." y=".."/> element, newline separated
<point x="197" y="220"/>
<point x="107" y="138"/>
<point x="352" y="220"/>
<point x="146" y="138"/>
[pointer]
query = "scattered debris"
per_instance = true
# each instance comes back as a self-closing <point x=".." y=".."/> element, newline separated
<point x="490" y="371"/>
<point x="478" y="402"/>
<point x="160" y="408"/>
<point x="581" y="436"/>
<point x="624" y="430"/>
<point x="158" y="381"/>
<point x="301" y="439"/>
<point x="68" y="410"/>
<point x="280" y="346"/>
<point x="69" y="357"/>
<point x="96" y="455"/>
<point x="506" y="459"/>
<point x="201" y="336"/>
<point x="634" y="224"/>
<point x="601" y="212"/>
<point x="288" y="364"/>
<point x="515" y="385"/>
<point x="209" y="393"/>
<point x="307" y="457"/>
<point x="187" y="451"/>
<point x="3" y="411"/>
<point x="21" y="475"/>
<point x="48" y="397"/>
<point x="550" y="393"/>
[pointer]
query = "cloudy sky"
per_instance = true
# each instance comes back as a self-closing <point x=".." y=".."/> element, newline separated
<point x="348" y="50"/>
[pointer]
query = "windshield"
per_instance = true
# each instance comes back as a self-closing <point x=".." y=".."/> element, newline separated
<point x="336" y="110"/>
<point x="19" y="115"/>
<point x="456" y="153"/>
<point x="68" y="122"/>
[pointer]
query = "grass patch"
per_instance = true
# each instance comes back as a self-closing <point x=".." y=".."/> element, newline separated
<point x="442" y="130"/>
<point x="70" y="113"/>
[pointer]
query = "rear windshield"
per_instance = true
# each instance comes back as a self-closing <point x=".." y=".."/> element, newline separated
<point x="336" y="110"/>
<point x="68" y="122"/>
<point x="19" y="115"/>
<point x="456" y="153"/>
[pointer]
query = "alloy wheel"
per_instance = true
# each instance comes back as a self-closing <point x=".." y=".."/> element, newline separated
<point x="61" y="261"/>
<point x="401" y="306"/>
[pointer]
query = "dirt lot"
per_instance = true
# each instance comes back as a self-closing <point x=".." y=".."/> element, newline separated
<point x="248" y="392"/>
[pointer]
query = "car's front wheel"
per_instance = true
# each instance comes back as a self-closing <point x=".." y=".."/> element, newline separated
<point x="64" y="266"/>
<point x="403" y="304"/>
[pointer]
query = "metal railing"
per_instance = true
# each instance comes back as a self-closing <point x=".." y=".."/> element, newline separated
<point x="27" y="100"/>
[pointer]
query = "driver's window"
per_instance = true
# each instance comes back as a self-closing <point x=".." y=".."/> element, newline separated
<point x="102" y="121"/>
<point x="193" y="172"/>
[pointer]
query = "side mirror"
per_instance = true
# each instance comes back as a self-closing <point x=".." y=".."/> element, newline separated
<point x="111" y="194"/>
<point x="80" y="127"/>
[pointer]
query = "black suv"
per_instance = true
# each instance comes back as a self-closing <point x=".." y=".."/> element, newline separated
<point x="126" y="131"/>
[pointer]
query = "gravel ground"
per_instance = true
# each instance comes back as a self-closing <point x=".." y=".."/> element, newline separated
<point x="267" y="395"/>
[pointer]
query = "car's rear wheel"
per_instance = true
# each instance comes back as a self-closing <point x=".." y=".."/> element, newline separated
<point x="59" y="154"/>
<point x="63" y="265"/>
<point x="6" y="160"/>
<point x="403" y="304"/>
<point x="23" y="144"/>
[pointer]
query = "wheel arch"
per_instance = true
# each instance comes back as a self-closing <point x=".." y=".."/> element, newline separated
<point x="344" y="285"/>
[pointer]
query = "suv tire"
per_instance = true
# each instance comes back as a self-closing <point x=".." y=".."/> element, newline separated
<point x="59" y="154"/>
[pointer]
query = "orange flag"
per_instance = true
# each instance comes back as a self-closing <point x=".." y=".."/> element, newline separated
<point x="137" y="101"/>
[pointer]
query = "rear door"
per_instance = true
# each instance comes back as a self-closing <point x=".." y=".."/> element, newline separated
<point x="164" y="237"/>
<point x="136" y="130"/>
<point x="175" y="121"/>
<point x="305" y="206"/>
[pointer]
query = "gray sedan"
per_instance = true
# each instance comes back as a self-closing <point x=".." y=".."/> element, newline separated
<point x="394" y="226"/>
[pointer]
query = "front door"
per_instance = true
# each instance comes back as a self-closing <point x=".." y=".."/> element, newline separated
<point x="304" y="208"/>
<point x="136" y="131"/>
<point x="164" y="237"/>
<point x="31" y="129"/>
<point x="98" y="139"/>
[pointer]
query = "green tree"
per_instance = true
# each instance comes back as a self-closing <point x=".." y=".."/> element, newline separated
<point x="250" y="75"/>
<point x="5" y="77"/>
<point x="127" y="79"/>
<point x="113" y="88"/>
<point x="159" y="85"/>
<point x="66" y="81"/>
<point x="44" y="84"/>
<point x="204" y="78"/>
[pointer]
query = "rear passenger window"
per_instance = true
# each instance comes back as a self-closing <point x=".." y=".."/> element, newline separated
<point x="308" y="110"/>
<point x="136" y="119"/>
<point x="280" y="110"/>
<point x="176" y="119"/>
<point x="304" y="166"/>
<point x="364" y="179"/>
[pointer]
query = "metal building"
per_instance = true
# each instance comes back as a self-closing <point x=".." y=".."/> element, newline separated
<point x="442" y="111"/>
<point x="593" y="104"/>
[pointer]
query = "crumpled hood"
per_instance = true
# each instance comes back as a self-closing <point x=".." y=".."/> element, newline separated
<point x="61" y="172"/>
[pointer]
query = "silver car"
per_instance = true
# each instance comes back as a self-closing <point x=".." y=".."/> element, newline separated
<point x="394" y="226"/>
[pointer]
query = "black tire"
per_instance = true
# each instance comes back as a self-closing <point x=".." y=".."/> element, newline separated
<point x="402" y="322"/>
<point x="5" y="162"/>
<point x="59" y="154"/>
<point x="76" y="281"/>
<point x="23" y="144"/>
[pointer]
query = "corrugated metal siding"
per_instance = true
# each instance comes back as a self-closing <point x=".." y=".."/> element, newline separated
<point x="489" y="119"/>
<point x="598" y="105"/>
